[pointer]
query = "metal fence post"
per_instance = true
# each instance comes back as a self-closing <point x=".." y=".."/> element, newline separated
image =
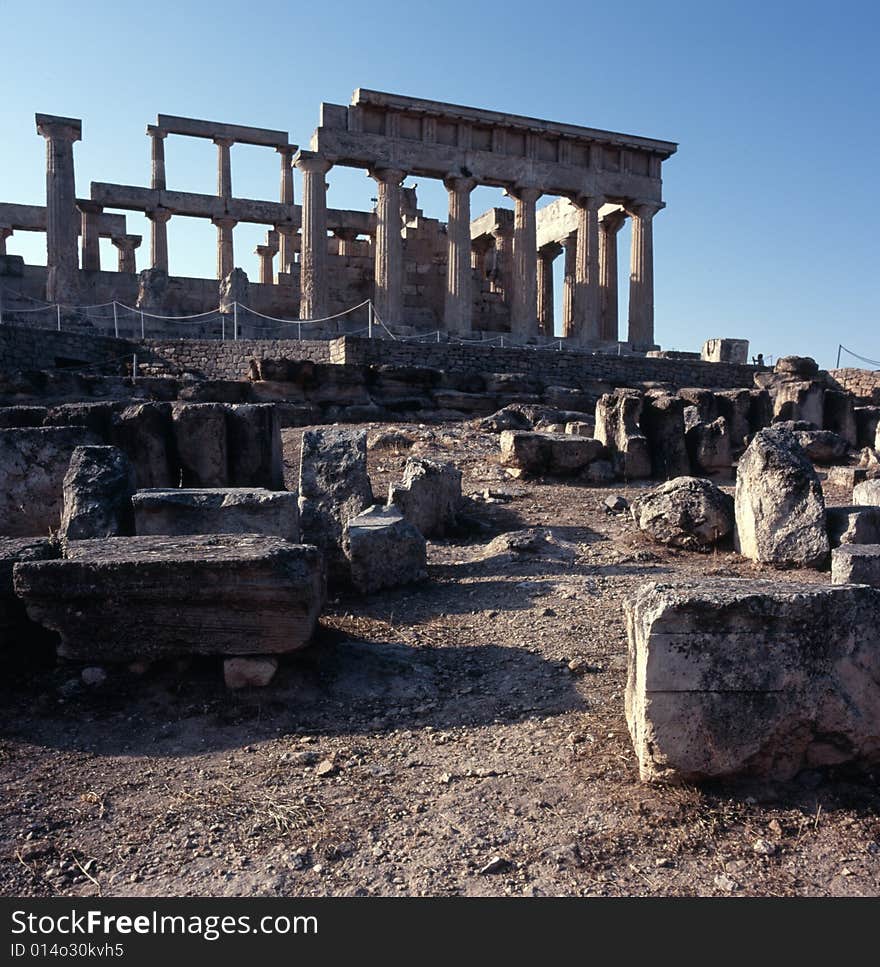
<point x="115" y="322"/>
<point x="235" y="320"/>
<point x="58" y="316"/>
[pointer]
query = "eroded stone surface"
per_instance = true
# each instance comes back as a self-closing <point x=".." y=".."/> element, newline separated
<point x="685" y="512"/>
<point x="97" y="491"/>
<point x="385" y="550"/>
<point x="128" y="598"/>
<point x="856" y="564"/>
<point x="14" y="623"/>
<point x="548" y="453"/>
<point x="429" y="496"/>
<point x="617" y="427"/>
<point x="751" y="678"/>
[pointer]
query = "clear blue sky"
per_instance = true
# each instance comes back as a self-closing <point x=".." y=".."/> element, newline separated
<point x="770" y="230"/>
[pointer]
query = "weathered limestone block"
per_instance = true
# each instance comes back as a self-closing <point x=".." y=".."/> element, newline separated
<point x="663" y="426"/>
<point x="867" y="420"/>
<point x="127" y="598"/>
<point x="384" y="549"/>
<point x="725" y="351"/>
<point x="735" y="405"/>
<point x="429" y="496"/>
<point x="580" y="428"/>
<point x="201" y="443"/>
<point x="799" y="400"/>
<point x="14" y="623"/>
<point x="734" y="678"/>
<point x="853" y="525"/>
<point x="152" y="290"/>
<point x="145" y="432"/>
<point x="804" y="366"/>
<point x="685" y="512"/>
<point x="709" y="449"/>
<point x="235" y="287"/>
<point x="333" y="488"/>
<point x="780" y="509"/>
<point x="704" y="400"/>
<point x="760" y="410"/>
<point x="231" y="510"/>
<point x="548" y="453"/>
<point x="846" y="477"/>
<point x="33" y="462"/>
<point x="822" y="446"/>
<point x="840" y="416"/>
<point x="867" y="493"/>
<point x="97" y="492"/>
<point x="856" y="564"/>
<point x="254" y="445"/>
<point x="617" y="427"/>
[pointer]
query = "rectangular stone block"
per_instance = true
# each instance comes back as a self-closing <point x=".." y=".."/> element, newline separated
<point x="856" y="564"/>
<point x="846" y="477"/>
<point x="853" y="525"/>
<point x="13" y="618"/>
<point x="752" y="678"/>
<point x="125" y="598"/>
<point x="551" y="453"/>
<point x="231" y="510"/>
<point x="33" y="462"/>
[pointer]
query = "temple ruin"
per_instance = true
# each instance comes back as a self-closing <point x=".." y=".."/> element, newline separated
<point x="470" y="277"/>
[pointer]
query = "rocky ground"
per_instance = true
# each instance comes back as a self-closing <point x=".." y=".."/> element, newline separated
<point x="463" y="737"/>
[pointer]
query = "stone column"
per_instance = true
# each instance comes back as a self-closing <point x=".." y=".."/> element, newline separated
<point x="159" y="238"/>
<point x="524" y="303"/>
<point x="225" y="250"/>
<point x="503" y="261"/>
<point x="459" y="305"/>
<point x="286" y="258"/>
<point x="313" y="260"/>
<point x="611" y="224"/>
<point x="266" y="254"/>
<point x="288" y="246"/>
<point x="91" y="242"/>
<point x="224" y="168"/>
<point x="546" y="257"/>
<point x="5" y="232"/>
<point x="388" y="250"/>
<point x="347" y="238"/>
<point x="157" y="165"/>
<point x="125" y="245"/>
<point x="641" y="274"/>
<point x="569" y="246"/>
<point x="586" y="283"/>
<point x="61" y="214"/>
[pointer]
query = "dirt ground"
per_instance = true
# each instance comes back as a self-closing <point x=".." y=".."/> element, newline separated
<point x="432" y="741"/>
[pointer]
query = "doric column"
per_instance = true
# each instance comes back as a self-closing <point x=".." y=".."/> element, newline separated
<point x="313" y="259"/>
<point x="61" y="214"/>
<point x="285" y="250"/>
<point x="569" y="246"/>
<point x="5" y="232"/>
<point x="389" y="246"/>
<point x="608" y="229"/>
<point x="266" y="254"/>
<point x="546" y="257"/>
<point x="225" y="250"/>
<point x="159" y="238"/>
<point x="524" y="304"/>
<point x="224" y="168"/>
<point x="346" y="237"/>
<point x="641" y="273"/>
<point x="459" y="303"/>
<point x="91" y="241"/>
<point x="288" y="246"/>
<point x="503" y="261"/>
<point x="157" y="156"/>
<point x="586" y="282"/>
<point x="125" y="246"/>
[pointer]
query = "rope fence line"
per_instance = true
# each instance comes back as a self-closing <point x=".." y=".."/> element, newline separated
<point x="863" y="359"/>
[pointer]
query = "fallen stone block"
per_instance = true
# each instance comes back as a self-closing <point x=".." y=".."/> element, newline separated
<point x="143" y="598"/>
<point x="780" y="509"/>
<point x="252" y="672"/>
<point x="333" y="487"/>
<point x="709" y="448"/>
<point x="840" y="416"/>
<point x="853" y="525"/>
<point x="384" y="549"/>
<point x="735" y="405"/>
<point x="15" y="628"/>
<point x="685" y="512"/>
<point x="579" y="428"/>
<point x="145" y="432"/>
<point x="867" y="493"/>
<point x="845" y="477"/>
<point x="733" y="678"/>
<point x="663" y="425"/>
<point x="822" y="446"/>
<point x="98" y="417"/>
<point x="726" y="351"/>
<point x="799" y="400"/>
<point x="548" y="453"/>
<point x="867" y="421"/>
<point x="201" y="443"/>
<point x="97" y="492"/>
<point x="253" y="436"/>
<point x="856" y="564"/>
<point x="617" y="427"/>
<point x="429" y="496"/>
<point x="33" y="462"/>
<point x="222" y="510"/>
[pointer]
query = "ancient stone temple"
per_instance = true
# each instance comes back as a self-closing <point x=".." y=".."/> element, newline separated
<point x="474" y="274"/>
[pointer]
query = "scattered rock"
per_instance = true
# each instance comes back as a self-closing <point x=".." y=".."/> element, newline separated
<point x="685" y="512"/>
<point x="498" y="864"/>
<point x="254" y="671"/>
<point x="384" y="550"/>
<point x="616" y="504"/>
<point x="93" y="675"/>
<point x="429" y="496"/>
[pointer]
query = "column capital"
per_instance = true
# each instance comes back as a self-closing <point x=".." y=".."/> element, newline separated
<point x="346" y="234"/>
<point x="265" y="250"/>
<point x="224" y="222"/>
<point x="126" y="241"/>
<point x="224" y="142"/>
<point x="459" y="183"/>
<point x="154" y="131"/>
<point x="570" y="240"/>
<point x="614" y="221"/>
<point x="159" y="214"/>
<point x="589" y="202"/>
<point x="391" y="176"/>
<point x="524" y="193"/>
<point x="5" y="231"/>
<point x="57" y="128"/>
<point x="312" y="161"/>
<point x="551" y="250"/>
<point x="288" y="150"/>
<point x="86" y="205"/>
<point x="638" y="208"/>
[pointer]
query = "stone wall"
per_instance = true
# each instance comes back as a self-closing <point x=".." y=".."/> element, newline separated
<point x="210" y="359"/>
<point x="551" y="366"/>
<point x="36" y="349"/>
<point x="862" y="383"/>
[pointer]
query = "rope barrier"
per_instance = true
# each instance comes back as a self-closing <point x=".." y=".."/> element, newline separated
<point x="864" y="359"/>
